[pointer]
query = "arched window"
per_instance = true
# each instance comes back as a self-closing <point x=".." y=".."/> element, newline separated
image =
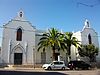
<point x="87" y="23"/>
<point x="21" y="14"/>
<point x="19" y="35"/>
<point x="89" y="39"/>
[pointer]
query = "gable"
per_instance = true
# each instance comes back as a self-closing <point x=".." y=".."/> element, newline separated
<point x="89" y="31"/>
<point x="14" y="24"/>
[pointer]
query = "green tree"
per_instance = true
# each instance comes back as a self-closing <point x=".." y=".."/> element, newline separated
<point x="51" y="39"/>
<point x="89" y="51"/>
<point x="69" y="41"/>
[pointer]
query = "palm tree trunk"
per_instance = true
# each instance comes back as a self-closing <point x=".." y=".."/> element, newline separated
<point x="53" y="56"/>
<point x="69" y="52"/>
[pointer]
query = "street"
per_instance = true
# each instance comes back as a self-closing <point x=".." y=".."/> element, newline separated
<point x="44" y="72"/>
<point x="29" y="73"/>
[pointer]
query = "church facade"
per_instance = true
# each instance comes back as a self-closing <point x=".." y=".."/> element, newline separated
<point x="86" y="36"/>
<point x="20" y="39"/>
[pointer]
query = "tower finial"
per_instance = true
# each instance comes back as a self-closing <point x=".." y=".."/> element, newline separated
<point x="20" y="16"/>
<point x="21" y="13"/>
<point x="86" y="24"/>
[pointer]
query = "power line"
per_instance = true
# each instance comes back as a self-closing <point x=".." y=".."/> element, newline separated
<point x="89" y="5"/>
<point x="79" y="3"/>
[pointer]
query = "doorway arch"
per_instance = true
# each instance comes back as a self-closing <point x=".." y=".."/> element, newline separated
<point x="17" y="55"/>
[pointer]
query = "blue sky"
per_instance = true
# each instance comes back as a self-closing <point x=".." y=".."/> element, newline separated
<point x="67" y="15"/>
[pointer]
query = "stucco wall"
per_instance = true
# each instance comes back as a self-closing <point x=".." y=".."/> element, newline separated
<point x="94" y="36"/>
<point x="9" y="34"/>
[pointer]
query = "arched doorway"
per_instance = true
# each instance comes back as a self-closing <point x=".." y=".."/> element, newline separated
<point x="18" y="58"/>
<point x="18" y="55"/>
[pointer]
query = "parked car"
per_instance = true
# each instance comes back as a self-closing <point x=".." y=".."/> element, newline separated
<point x="55" y="65"/>
<point x="78" y="65"/>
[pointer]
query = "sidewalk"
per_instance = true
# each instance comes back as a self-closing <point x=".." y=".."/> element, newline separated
<point x="22" y="69"/>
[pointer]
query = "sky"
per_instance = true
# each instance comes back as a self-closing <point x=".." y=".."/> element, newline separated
<point x="65" y="15"/>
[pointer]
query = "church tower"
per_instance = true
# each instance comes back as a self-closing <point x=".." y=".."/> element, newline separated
<point x="86" y="24"/>
<point x="86" y="36"/>
<point x="20" y="16"/>
<point x="19" y="41"/>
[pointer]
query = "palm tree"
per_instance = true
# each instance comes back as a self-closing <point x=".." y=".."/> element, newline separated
<point x="51" y="39"/>
<point x="70" y="40"/>
<point x="88" y="50"/>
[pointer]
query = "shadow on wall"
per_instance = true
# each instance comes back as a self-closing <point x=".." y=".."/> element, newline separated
<point x="98" y="64"/>
<point x="2" y="63"/>
<point x="98" y="60"/>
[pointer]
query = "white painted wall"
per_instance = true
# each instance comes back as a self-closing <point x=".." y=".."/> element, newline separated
<point x="94" y="36"/>
<point x="28" y="36"/>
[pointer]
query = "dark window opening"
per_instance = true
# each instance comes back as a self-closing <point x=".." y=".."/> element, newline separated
<point x="88" y="24"/>
<point x="56" y="63"/>
<point x="20" y="14"/>
<point x="19" y="35"/>
<point x="56" y="56"/>
<point x="89" y="38"/>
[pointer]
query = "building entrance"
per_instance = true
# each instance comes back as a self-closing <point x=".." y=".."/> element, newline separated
<point x="18" y="58"/>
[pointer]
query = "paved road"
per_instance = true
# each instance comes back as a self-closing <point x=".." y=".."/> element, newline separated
<point x="29" y="73"/>
<point x="43" y="72"/>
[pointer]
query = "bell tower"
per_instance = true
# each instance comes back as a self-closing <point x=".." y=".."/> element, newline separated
<point x="20" y="16"/>
<point x="86" y="24"/>
<point x="20" y="13"/>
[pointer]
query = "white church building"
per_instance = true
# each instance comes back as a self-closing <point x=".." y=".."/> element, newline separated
<point x="20" y="39"/>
